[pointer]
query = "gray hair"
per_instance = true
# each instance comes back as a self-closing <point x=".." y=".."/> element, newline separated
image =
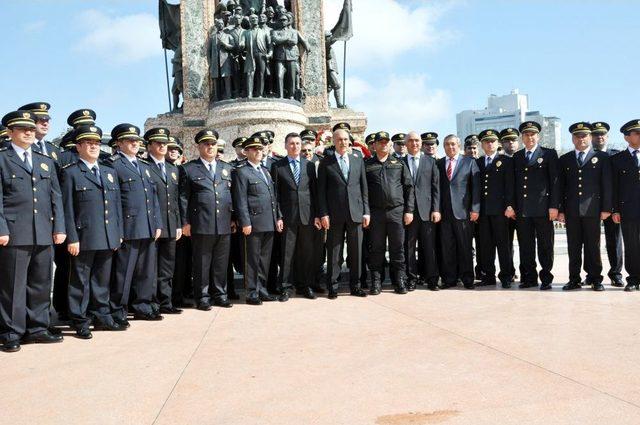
<point x="451" y="136"/>
<point x="409" y="134"/>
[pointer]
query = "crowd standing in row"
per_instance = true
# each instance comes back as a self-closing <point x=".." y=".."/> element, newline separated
<point x="132" y="234"/>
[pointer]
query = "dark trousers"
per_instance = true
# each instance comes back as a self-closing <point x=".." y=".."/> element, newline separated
<point x="25" y="290"/>
<point x="274" y="264"/>
<point x="235" y="260"/>
<point x="319" y="256"/>
<point x="512" y="233"/>
<point x="182" y="286"/>
<point x="631" y="236"/>
<point x="387" y="225"/>
<point x="457" y="255"/>
<point x="256" y="259"/>
<point x="61" y="279"/>
<point x="425" y="233"/>
<point x="494" y="235"/>
<point x="296" y="261"/>
<point x="583" y="234"/>
<point x="613" y="239"/>
<point x="335" y="246"/>
<point x="166" y="254"/>
<point x="477" y="252"/>
<point x="89" y="288"/>
<point x="210" y="262"/>
<point x="133" y="281"/>
<point x="532" y="231"/>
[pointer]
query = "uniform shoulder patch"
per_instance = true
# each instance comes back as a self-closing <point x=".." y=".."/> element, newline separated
<point x="40" y="153"/>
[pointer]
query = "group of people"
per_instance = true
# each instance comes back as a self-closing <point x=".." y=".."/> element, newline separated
<point x="132" y="232"/>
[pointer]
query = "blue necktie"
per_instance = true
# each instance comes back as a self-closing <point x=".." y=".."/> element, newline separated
<point x="26" y="161"/>
<point x="635" y="154"/>
<point x="96" y="173"/>
<point x="528" y="156"/>
<point x="344" y="168"/>
<point x="581" y="158"/>
<point x="488" y="162"/>
<point x="164" y="172"/>
<point x="296" y="171"/>
<point x="212" y="171"/>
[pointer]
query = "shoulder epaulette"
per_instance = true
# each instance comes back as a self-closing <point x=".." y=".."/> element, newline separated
<point x="144" y="161"/>
<point x="64" y="167"/>
<point x="113" y="158"/>
<point x="2" y="149"/>
<point x="41" y="154"/>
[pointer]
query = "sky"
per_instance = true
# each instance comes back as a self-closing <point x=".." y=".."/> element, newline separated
<point x="411" y="65"/>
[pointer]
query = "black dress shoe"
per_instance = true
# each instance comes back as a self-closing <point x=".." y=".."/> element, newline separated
<point x="358" y="292"/>
<point x="10" y="347"/>
<point x="506" y="285"/>
<point x="284" y="296"/>
<point x="598" y="287"/>
<point x="42" y="338"/>
<point x="546" y="287"/>
<point x="318" y="290"/>
<point x="123" y="323"/>
<point x="572" y="286"/>
<point x="148" y="317"/>
<point x="170" y="310"/>
<point x="469" y="286"/>
<point x="332" y="294"/>
<point x="253" y="301"/>
<point x="224" y="303"/>
<point x="400" y="289"/>
<point x="411" y="285"/>
<point x="204" y="306"/>
<point x="308" y="293"/>
<point x="630" y="287"/>
<point x="54" y="331"/>
<point x="433" y="287"/>
<point x="84" y="334"/>
<point x="268" y="298"/>
<point x="109" y="326"/>
<point x="617" y="284"/>
<point x="527" y="285"/>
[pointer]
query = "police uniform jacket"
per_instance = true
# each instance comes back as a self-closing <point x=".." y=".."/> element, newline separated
<point x="586" y="189"/>
<point x="140" y="209"/>
<point x="205" y="201"/>
<point x="296" y="200"/>
<point x="497" y="185"/>
<point x="167" y="189"/>
<point x="31" y="208"/>
<point x="68" y="157"/>
<point x="390" y="184"/>
<point x="254" y="198"/>
<point x="626" y="185"/>
<point x="536" y="182"/>
<point x="93" y="209"/>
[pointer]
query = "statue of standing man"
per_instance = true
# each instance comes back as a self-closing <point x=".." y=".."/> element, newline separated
<point x="220" y="61"/>
<point x="333" y="78"/>
<point x="286" y="55"/>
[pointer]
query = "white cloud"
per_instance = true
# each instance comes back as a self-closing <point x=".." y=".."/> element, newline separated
<point x="121" y="39"/>
<point x="385" y="29"/>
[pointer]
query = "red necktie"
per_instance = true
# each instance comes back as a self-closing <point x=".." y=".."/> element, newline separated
<point x="450" y="168"/>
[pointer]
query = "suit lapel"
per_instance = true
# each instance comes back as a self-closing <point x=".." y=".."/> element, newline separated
<point x="19" y="162"/>
<point x="204" y="171"/>
<point x="459" y="163"/>
<point x="88" y="174"/>
<point x="155" y="169"/>
<point x="536" y="155"/>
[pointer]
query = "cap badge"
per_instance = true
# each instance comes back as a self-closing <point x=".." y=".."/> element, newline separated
<point x="93" y="129"/>
<point x="26" y="115"/>
<point x="86" y="113"/>
<point x="43" y="106"/>
<point x="580" y="125"/>
<point x="161" y="131"/>
<point x="132" y="129"/>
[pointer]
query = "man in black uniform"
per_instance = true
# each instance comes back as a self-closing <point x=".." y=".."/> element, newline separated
<point x="343" y="207"/>
<point x="41" y="112"/>
<point x="93" y="216"/>
<point x="509" y="140"/>
<point x="165" y="177"/>
<point x="31" y="221"/>
<point x="258" y="215"/>
<point x="585" y="193"/>
<point x="133" y="282"/>
<point x="612" y="231"/>
<point x="537" y="203"/>
<point x="496" y="211"/>
<point x="426" y="182"/>
<point x="294" y="178"/>
<point x="206" y="210"/>
<point x="626" y="200"/>
<point x="460" y="204"/>
<point x="399" y="146"/>
<point x="391" y="201"/>
<point x="430" y="144"/>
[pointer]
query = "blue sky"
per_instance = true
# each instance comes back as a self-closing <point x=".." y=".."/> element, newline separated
<point x="413" y="64"/>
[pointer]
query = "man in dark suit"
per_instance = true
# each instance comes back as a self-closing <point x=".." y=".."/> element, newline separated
<point x="612" y="231"/>
<point x="626" y="200"/>
<point x="206" y="210"/>
<point x="426" y="181"/>
<point x="133" y="282"/>
<point x="31" y="221"/>
<point x="460" y="205"/>
<point x="537" y="203"/>
<point x="496" y="211"/>
<point x="294" y="178"/>
<point x="343" y="207"/>
<point x="585" y="188"/>
<point x="258" y="216"/>
<point x="93" y="215"/>
<point x="164" y="175"/>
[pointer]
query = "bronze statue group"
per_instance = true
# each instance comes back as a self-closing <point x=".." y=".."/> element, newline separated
<point x="135" y="230"/>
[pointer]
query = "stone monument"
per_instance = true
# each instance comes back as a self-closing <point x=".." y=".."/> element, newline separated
<point x="248" y="66"/>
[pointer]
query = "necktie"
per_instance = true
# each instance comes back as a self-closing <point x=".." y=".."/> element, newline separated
<point x="635" y="154"/>
<point x="413" y="166"/>
<point x="450" y="168"/>
<point x="296" y="171"/>
<point x="41" y="146"/>
<point x="488" y="161"/>
<point x="343" y="167"/>
<point x="135" y="164"/>
<point x="581" y="158"/>
<point x="27" y="162"/>
<point x="162" y="170"/>
<point x="212" y="171"/>
<point x="259" y="170"/>
<point x="528" y="156"/>
<point x="96" y="173"/>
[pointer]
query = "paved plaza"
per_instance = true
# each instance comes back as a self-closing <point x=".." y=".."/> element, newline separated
<point x="489" y="356"/>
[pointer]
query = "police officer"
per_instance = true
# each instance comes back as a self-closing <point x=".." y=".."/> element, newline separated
<point x="133" y="282"/>
<point x="509" y="141"/>
<point x="399" y="147"/>
<point x="391" y="201"/>
<point x="69" y="155"/>
<point x="626" y="200"/>
<point x="31" y="221"/>
<point x="4" y="136"/>
<point x="496" y="210"/>
<point x="537" y="203"/>
<point x="93" y="216"/>
<point x="41" y="112"/>
<point x="430" y="144"/>
<point x="258" y="215"/>
<point x="165" y="177"/>
<point x="206" y="208"/>
<point x="471" y="143"/>
<point x="585" y="187"/>
<point x="612" y="231"/>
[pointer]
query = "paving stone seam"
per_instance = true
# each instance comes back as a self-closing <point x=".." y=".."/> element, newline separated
<point x="505" y="353"/>
<point x="195" y="350"/>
